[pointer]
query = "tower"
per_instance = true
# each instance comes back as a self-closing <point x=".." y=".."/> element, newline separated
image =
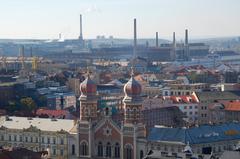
<point x="132" y="101"/>
<point x="88" y="100"/>
<point x="88" y="116"/>
<point x="133" y="124"/>
<point x="186" y="47"/>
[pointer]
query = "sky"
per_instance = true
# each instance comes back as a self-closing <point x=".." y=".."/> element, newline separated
<point x="45" y="19"/>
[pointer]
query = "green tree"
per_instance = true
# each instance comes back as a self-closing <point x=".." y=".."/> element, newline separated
<point x="28" y="104"/>
<point x="12" y="106"/>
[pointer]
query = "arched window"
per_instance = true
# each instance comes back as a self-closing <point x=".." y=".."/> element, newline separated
<point x="141" y="154"/>
<point x="73" y="149"/>
<point x="117" y="150"/>
<point x="83" y="148"/>
<point x="107" y="111"/>
<point x="100" y="149"/>
<point x="108" y="150"/>
<point x="128" y="152"/>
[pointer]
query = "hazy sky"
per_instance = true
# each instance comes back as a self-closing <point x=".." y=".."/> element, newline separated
<point x="47" y="18"/>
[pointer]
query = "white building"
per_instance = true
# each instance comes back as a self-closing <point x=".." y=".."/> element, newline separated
<point x="57" y="136"/>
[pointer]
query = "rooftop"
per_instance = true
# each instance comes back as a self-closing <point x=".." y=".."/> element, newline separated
<point x="40" y="123"/>
<point x="196" y="135"/>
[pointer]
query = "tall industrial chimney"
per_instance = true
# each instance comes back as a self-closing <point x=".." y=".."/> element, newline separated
<point x="174" y="40"/>
<point x="186" y="47"/>
<point x="21" y="54"/>
<point x="135" y="38"/>
<point x="174" y="45"/>
<point x="81" y="35"/>
<point x="157" y="39"/>
<point x="21" y="51"/>
<point x="186" y="37"/>
<point x="31" y="52"/>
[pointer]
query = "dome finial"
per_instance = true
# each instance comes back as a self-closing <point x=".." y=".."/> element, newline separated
<point x="88" y="72"/>
<point x="132" y="71"/>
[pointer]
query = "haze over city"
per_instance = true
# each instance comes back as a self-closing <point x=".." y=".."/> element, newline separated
<point x="44" y="19"/>
<point x="119" y="79"/>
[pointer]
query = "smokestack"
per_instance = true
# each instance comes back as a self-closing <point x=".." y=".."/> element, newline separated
<point x="156" y="39"/>
<point x="31" y="52"/>
<point x="173" y="51"/>
<point x="135" y="38"/>
<point x="186" y="37"/>
<point x="21" y="51"/>
<point x="81" y="35"/>
<point x="174" y="40"/>
<point x="186" y="47"/>
<point x="21" y="54"/>
<point x="60" y="36"/>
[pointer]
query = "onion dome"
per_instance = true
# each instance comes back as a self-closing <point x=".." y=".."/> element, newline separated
<point x="88" y="87"/>
<point x="132" y="90"/>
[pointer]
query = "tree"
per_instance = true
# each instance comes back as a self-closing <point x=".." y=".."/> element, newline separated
<point x="28" y="104"/>
<point x="12" y="106"/>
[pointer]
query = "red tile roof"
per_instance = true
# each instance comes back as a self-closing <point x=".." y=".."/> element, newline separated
<point x="232" y="106"/>
<point x="55" y="113"/>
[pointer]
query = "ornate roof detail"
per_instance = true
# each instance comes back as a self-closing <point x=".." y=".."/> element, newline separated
<point x="32" y="129"/>
<point x="88" y="87"/>
<point x="132" y="89"/>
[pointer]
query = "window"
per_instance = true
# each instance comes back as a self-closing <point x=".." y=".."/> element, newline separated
<point x="141" y="154"/>
<point x="108" y="150"/>
<point x="9" y="137"/>
<point x="117" y="150"/>
<point x="83" y="148"/>
<point x="54" y="140"/>
<point x="62" y="141"/>
<point x="26" y="139"/>
<point x="128" y="152"/>
<point x="31" y="139"/>
<point x="100" y="149"/>
<point x="2" y="137"/>
<point x="190" y="107"/>
<point x="107" y="111"/>
<point x="42" y="139"/>
<point x="179" y="149"/>
<point x="73" y="149"/>
<point x="20" y="138"/>
<point x="36" y="139"/>
<point x="61" y="152"/>
<point x="54" y="151"/>
<point x="15" y="137"/>
<point x="48" y="140"/>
